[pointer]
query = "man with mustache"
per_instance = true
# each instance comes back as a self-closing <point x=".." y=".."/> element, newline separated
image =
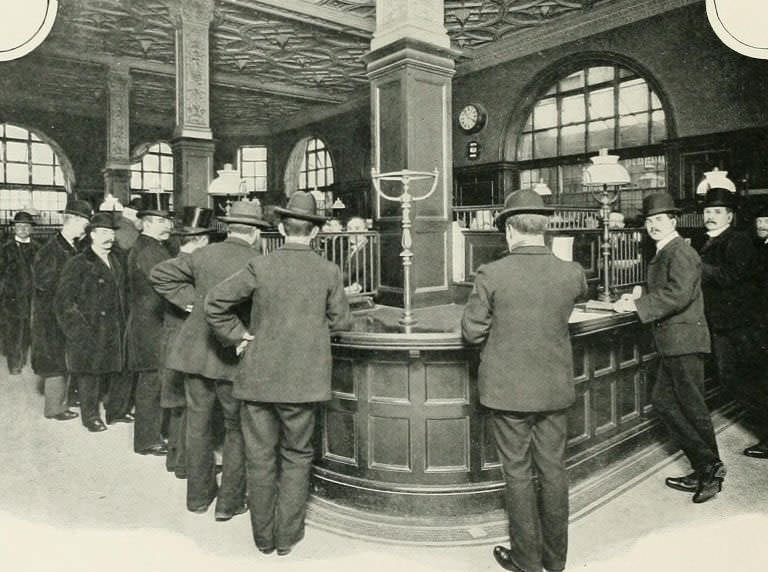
<point x="731" y="293"/>
<point x="90" y="310"/>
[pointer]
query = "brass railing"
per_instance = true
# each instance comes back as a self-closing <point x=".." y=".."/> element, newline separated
<point x="480" y="217"/>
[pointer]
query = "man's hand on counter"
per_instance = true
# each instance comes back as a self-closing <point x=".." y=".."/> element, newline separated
<point x="625" y="304"/>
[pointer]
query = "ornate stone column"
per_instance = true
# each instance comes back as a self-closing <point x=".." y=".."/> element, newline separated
<point x="117" y="171"/>
<point x="193" y="140"/>
<point x="410" y="69"/>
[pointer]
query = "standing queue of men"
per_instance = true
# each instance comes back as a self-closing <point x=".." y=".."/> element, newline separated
<point x="162" y="337"/>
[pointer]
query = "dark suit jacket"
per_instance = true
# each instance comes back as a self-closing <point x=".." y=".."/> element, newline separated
<point x="519" y="310"/>
<point x="297" y="301"/>
<point x="16" y="279"/>
<point x="674" y="303"/>
<point x="144" y="331"/>
<point x="728" y="280"/>
<point x="48" y="341"/>
<point x="195" y="349"/>
<point x="90" y="309"/>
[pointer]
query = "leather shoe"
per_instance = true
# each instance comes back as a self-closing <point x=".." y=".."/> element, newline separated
<point x="225" y="515"/>
<point x="158" y="449"/>
<point x="504" y="557"/>
<point x="95" y="425"/>
<point x="710" y="482"/>
<point x="64" y="416"/>
<point x="758" y="450"/>
<point x="127" y="418"/>
<point x="687" y="484"/>
<point x="267" y="551"/>
<point x="284" y="551"/>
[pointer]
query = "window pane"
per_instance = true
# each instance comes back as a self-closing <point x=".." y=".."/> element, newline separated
<point x="260" y="169"/>
<point x="545" y="114"/>
<point x="311" y="162"/>
<point x="249" y="185"/>
<point x="601" y="134"/>
<point x="633" y="130"/>
<point x="624" y="72"/>
<point x="320" y="160"/>
<point x="573" y="109"/>
<point x="151" y="162"/>
<point x="573" y="81"/>
<point x="655" y="102"/>
<point x="167" y="180"/>
<point x="2" y="173"/>
<point x="135" y="180"/>
<point x="247" y="153"/>
<point x="42" y="175"/>
<point x="163" y="148"/>
<point x="321" y="182"/>
<point x="658" y="127"/>
<point x="527" y="178"/>
<point x="633" y="97"/>
<point x="16" y="151"/>
<point x="42" y="154"/>
<point x="151" y="181"/>
<point x="525" y="147"/>
<point x="572" y="139"/>
<point x="248" y="169"/>
<point x="13" y="132"/>
<point x="59" y="177"/>
<point x="17" y="173"/>
<point x="528" y="123"/>
<point x="34" y="137"/>
<point x="260" y="184"/>
<point x="545" y="144"/>
<point x="599" y="74"/>
<point x="166" y="164"/>
<point x="601" y="103"/>
<point x="572" y="178"/>
<point x="329" y="177"/>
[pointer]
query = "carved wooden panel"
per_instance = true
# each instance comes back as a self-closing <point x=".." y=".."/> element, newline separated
<point x="447" y="445"/>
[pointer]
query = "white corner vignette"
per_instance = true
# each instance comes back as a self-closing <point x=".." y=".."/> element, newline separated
<point x="738" y="32"/>
<point x="41" y="30"/>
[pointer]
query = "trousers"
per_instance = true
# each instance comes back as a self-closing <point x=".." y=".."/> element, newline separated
<point x="176" y="460"/>
<point x="55" y="390"/>
<point x="118" y="395"/>
<point x="17" y="337"/>
<point x="147" y="430"/>
<point x="531" y="449"/>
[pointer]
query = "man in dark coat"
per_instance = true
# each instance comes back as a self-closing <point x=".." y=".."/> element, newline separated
<point x="730" y="276"/>
<point x="90" y="310"/>
<point x="674" y="305"/>
<point x="144" y="332"/>
<point x="519" y="310"/>
<point x="16" y="289"/>
<point x="48" y="347"/>
<point x="297" y="300"/>
<point x="210" y="367"/>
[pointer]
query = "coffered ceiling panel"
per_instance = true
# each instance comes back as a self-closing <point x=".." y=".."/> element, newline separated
<point x="153" y="96"/>
<point x="290" y="52"/>
<point x="246" y="108"/>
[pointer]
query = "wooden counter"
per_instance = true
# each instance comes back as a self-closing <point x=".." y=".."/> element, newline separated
<point x="405" y="434"/>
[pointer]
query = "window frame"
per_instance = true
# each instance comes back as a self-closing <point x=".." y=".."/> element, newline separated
<point x="155" y="149"/>
<point x="251" y="180"/>
<point x="315" y="146"/>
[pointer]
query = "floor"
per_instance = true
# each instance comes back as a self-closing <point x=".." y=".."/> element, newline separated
<point x="76" y="501"/>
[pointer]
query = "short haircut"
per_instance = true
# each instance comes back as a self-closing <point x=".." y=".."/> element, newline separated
<point x="297" y="227"/>
<point x="237" y="228"/>
<point x="529" y="223"/>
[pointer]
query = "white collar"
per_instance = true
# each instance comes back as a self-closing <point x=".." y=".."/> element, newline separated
<point x="718" y="232"/>
<point x="22" y="240"/>
<point x="666" y="240"/>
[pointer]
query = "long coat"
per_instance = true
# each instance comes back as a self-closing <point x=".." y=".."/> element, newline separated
<point x="297" y="301"/>
<point x="195" y="350"/>
<point x="146" y="308"/>
<point x="519" y="310"/>
<point x="48" y="341"/>
<point x="729" y="274"/>
<point x="90" y="309"/>
<point x="674" y="303"/>
<point x="15" y="285"/>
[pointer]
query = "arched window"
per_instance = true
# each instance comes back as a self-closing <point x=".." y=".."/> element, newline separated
<point x="153" y="168"/>
<point x="597" y="105"/>
<point x="33" y="174"/>
<point x="316" y="169"/>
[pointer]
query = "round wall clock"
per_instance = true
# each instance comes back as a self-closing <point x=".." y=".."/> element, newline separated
<point x="472" y="118"/>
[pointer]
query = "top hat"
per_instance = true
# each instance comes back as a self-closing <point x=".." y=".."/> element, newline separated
<point x="302" y="206"/>
<point x="520" y="202"/>
<point x="658" y="203"/>
<point x="194" y="220"/>
<point x="78" y="208"/>
<point x="245" y="212"/>
<point x="23" y="216"/>
<point x="719" y="197"/>
<point x="155" y="204"/>
<point x="104" y="219"/>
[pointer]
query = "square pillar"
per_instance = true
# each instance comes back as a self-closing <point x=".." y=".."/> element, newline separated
<point x="117" y="171"/>
<point x="193" y="171"/>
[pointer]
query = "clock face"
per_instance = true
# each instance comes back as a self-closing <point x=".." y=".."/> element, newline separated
<point x="471" y="119"/>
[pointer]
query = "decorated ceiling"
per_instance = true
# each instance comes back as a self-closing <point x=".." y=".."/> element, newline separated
<point x="270" y="59"/>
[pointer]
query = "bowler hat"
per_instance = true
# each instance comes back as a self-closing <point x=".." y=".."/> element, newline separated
<point x="718" y="197"/>
<point x="23" y="216"/>
<point x="78" y="208"/>
<point x="194" y="220"/>
<point x="155" y="204"/>
<point x="302" y="206"/>
<point x="521" y="202"/>
<point x="658" y="203"/>
<point x="245" y="212"/>
<point x="103" y="219"/>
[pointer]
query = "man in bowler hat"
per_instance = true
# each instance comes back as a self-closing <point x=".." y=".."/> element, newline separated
<point x="16" y="288"/>
<point x="144" y="331"/>
<point x="297" y="300"/>
<point x="209" y="367"/>
<point x="519" y="310"/>
<point x="90" y="309"/>
<point x="674" y="305"/>
<point x="48" y="346"/>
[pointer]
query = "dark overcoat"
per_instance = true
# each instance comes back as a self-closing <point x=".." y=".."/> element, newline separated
<point x="519" y="310"/>
<point x="297" y="300"/>
<point x="146" y="308"/>
<point x="674" y="304"/>
<point x="195" y="349"/>
<point x="90" y="309"/>
<point x="729" y="273"/>
<point x="48" y="341"/>
<point x="16" y="284"/>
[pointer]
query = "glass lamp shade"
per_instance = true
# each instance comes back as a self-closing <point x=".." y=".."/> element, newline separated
<point x="227" y="183"/>
<point x="542" y="188"/>
<point x="715" y="179"/>
<point x="605" y="170"/>
<point x="338" y="204"/>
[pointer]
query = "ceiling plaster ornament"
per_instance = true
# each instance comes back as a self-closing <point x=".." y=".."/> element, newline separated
<point x="364" y="8"/>
<point x="118" y="118"/>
